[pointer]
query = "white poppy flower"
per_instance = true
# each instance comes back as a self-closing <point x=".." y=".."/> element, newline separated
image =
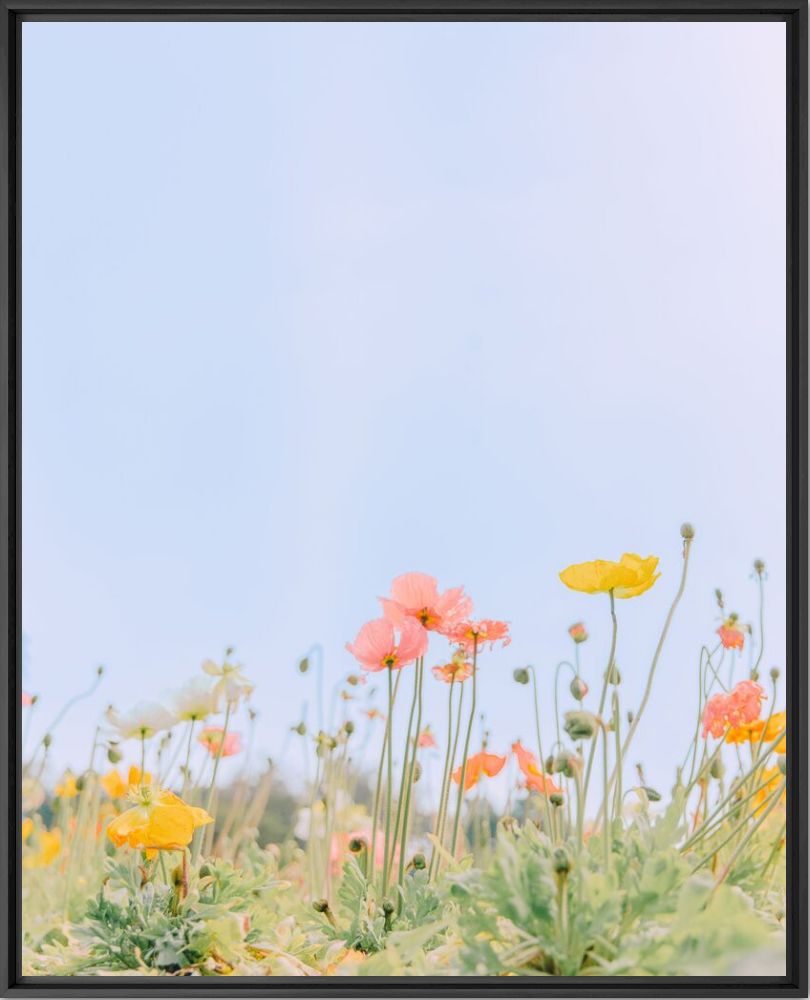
<point x="195" y="700"/>
<point x="142" y="721"/>
<point x="232" y="683"/>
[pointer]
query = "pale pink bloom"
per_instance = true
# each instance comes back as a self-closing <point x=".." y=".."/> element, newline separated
<point x="378" y="647"/>
<point x="714" y="716"/>
<point x="427" y="739"/>
<point x="416" y="595"/>
<point x="458" y="669"/>
<point x="27" y="699"/>
<point x="481" y="632"/>
<point x="211" y="738"/>
<point x="731" y="635"/>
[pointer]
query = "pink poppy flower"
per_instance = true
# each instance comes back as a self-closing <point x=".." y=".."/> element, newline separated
<point x="27" y="699"/>
<point x="377" y="646"/>
<point x="486" y="630"/>
<point x="427" y="739"/>
<point x="211" y="739"/>
<point x="739" y="707"/>
<point x="416" y="595"/>
<point x="459" y="668"/>
<point x="731" y="635"/>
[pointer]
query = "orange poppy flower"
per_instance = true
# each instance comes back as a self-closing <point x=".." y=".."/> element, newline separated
<point x="479" y="764"/>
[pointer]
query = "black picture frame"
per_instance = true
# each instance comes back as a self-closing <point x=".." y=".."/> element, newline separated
<point x="794" y="14"/>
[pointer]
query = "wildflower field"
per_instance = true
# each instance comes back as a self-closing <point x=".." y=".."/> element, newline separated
<point x="149" y="863"/>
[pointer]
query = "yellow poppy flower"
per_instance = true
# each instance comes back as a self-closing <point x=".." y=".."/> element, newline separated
<point x="629" y="577"/>
<point x="159" y="821"/>
<point x="115" y="786"/>
<point x="27" y="828"/>
<point x="45" y="849"/>
<point x="67" y="789"/>
<point x="751" y="732"/>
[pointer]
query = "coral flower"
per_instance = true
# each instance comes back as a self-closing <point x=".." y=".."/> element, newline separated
<point x="536" y="781"/>
<point x="416" y="595"/>
<point x="427" y="739"/>
<point x="211" y="739"/>
<point x="739" y="707"/>
<point x="67" y="789"/>
<point x="27" y="699"/>
<point x="375" y="713"/>
<point x="629" y="577"/>
<point x="377" y="646"/>
<point x="159" y="821"/>
<point x="459" y="668"/>
<point x="479" y="764"/>
<point x="45" y="848"/>
<point x="578" y="632"/>
<point x="468" y="634"/>
<point x="731" y="635"/>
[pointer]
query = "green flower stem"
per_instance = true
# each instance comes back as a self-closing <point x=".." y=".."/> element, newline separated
<point x="420" y="666"/>
<point x="761" y="624"/>
<point x="617" y="805"/>
<point x="406" y="757"/>
<point x="542" y="761"/>
<point x="687" y="548"/>
<point x="463" y="775"/>
<point x="575" y="671"/>
<point x="188" y="758"/>
<point x="605" y="683"/>
<point x="388" y="785"/>
<point x="711" y="827"/>
<point x="768" y="806"/>
<point x="445" y="776"/>
<point x="454" y="751"/>
<point x="606" y="833"/>
<point x="372" y="851"/>
<point x="212" y="786"/>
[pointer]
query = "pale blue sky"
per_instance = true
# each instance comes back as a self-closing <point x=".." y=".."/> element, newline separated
<point x="310" y="305"/>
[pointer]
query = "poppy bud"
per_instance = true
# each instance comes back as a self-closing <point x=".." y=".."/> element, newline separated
<point x="417" y="772"/>
<point x="549" y="764"/>
<point x="556" y="799"/>
<point x="419" y="862"/>
<point x="206" y="871"/>
<point x="687" y="531"/>
<point x="759" y="567"/>
<point x="578" y="632"/>
<point x="320" y="905"/>
<point x="630" y="716"/>
<point x="521" y="675"/>
<point x="356" y="845"/>
<point x="100" y="670"/>
<point x="113" y="756"/>
<point x="303" y="665"/>
<point x="387" y="907"/>
<point x="651" y="794"/>
<point x="80" y="783"/>
<point x="567" y="763"/>
<point x="774" y="673"/>
<point x="349" y="727"/>
<point x="754" y="675"/>
<point x="560" y="861"/>
<point x="718" y="596"/>
<point x="353" y="679"/>
<point x="718" y="768"/>
<point x="781" y="761"/>
<point x="578" y="688"/>
<point x="613" y="675"/>
<point x="47" y="739"/>
<point x="580" y="725"/>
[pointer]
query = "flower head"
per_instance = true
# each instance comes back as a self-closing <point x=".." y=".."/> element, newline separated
<point x="195" y="700"/>
<point x="578" y="632"/>
<point x="115" y="786"/>
<point x="536" y="780"/>
<point x="427" y="739"/>
<point x="28" y="699"/>
<point x="472" y="635"/>
<point x="416" y="595"/>
<point x="378" y="647"/>
<point x="42" y="848"/>
<point x="142" y="721"/>
<point x="629" y="577"/>
<point x="66" y="789"/>
<point x="731" y="635"/>
<point x="458" y="669"/>
<point x="479" y="764"/>
<point x="212" y="739"/>
<point x="734" y="709"/>
<point x="231" y="686"/>
<point x="158" y="821"/>
<point x="375" y="713"/>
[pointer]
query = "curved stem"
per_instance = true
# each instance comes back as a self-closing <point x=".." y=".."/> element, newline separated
<point x="605" y="682"/>
<point x="412" y="773"/>
<point x="405" y="764"/>
<point x="542" y="763"/>
<point x="463" y="775"/>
